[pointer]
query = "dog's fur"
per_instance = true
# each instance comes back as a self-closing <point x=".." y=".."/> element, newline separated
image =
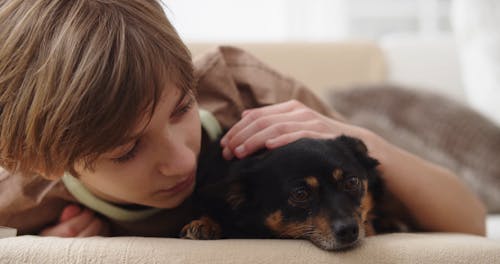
<point x="323" y="190"/>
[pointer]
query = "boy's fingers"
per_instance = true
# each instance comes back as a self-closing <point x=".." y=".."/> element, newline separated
<point x="257" y="141"/>
<point x="69" y="212"/>
<point x="260" y="139"/>
<point x="291" y="137"/>
<point x="84" y="224"/>
<point x="47" y="232"/>
<point x="253" y="114"/>
<point x="265" y="122"/>
<point x="57" y="231"/>
<point x="94" y="228"/>
<point x="73" y="226"/>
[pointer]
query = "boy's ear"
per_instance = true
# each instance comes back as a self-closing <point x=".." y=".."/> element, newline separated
<point x="360" y="151"/>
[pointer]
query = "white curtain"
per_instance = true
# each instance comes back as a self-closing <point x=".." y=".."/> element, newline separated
<point x="477" y="28"/>
<point x="258" y="20"/>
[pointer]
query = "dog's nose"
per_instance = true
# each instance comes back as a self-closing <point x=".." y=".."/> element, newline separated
<point x="346" y="231"/>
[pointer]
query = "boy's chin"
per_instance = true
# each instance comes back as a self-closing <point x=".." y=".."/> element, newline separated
<point x="170" y="202"/>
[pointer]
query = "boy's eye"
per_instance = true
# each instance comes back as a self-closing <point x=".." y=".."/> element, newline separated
<point x="129" y="155"/>
<point x="186" y="107"/>
<point x="132" y="152"/>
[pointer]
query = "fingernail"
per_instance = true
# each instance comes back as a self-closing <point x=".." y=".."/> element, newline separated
<point x="226" y="153"/>
<point x="240" y="150"/>
<point x="223" y="142"/>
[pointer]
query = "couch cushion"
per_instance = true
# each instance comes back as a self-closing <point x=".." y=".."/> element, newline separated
<point x="393" y="248"/>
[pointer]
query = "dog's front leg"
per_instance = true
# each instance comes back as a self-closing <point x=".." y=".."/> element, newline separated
<point x="203" y="228"/>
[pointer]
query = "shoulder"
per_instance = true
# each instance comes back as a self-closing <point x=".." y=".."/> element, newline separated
<point x="231" y="80"/>
<point x="241" y="67"/>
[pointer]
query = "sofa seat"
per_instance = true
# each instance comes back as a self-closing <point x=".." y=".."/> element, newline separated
<point x="391" y="248"/>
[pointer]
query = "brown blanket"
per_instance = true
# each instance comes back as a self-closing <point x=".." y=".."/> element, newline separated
<point x="433" y="127"/>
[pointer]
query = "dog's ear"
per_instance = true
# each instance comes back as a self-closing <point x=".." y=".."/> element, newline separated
<point x="360" y="151"/>
<point x="241" y="177"/>
<point x="236" y="195"/>
<point x="249" y="166"/>
<point x="233" y="192"/>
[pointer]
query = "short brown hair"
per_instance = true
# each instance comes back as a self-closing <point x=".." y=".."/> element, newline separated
<point x="77" y="76"/>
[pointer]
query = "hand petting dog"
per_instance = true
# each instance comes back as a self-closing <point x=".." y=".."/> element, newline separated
<point x="279" y="124"/>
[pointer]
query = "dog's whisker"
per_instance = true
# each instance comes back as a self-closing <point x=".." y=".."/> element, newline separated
<point x="298" y="231"/>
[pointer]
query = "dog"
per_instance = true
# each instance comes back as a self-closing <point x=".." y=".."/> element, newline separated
<point x="322" y="190"/>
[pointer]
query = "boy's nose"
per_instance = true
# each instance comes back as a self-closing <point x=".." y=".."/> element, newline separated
<point x="176" y="159"/>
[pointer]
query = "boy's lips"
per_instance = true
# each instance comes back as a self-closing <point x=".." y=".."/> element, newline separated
<point x="183" y="184"/>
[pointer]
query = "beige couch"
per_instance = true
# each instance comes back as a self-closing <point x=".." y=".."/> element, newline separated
<point x="319" y="66"/>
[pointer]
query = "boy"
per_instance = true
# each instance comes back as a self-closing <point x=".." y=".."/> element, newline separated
<point x="100" y="128"/>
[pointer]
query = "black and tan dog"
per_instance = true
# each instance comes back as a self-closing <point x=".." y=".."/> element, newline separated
<point x="322" y="190"/>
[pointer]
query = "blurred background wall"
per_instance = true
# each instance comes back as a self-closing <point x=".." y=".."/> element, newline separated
<point x="448" y="46"/>
<point x="311" y="20"/>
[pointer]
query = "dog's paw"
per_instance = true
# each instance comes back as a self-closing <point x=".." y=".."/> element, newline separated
<point x="203" y="228"/>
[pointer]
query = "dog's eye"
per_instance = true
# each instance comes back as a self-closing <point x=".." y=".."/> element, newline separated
<point x="300" y="195"/>
<point x="351" y="184"/>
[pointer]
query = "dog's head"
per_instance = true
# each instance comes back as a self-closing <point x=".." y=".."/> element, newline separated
<point x="315" y="189"/>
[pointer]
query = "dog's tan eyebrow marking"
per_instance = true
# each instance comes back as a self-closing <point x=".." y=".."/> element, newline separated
<point x="337" y="174"/>
<point x="366" y="202"/>
<point x="274" y="221"/>
<point x="312" y="181"/>
<point x="364" y="216"/>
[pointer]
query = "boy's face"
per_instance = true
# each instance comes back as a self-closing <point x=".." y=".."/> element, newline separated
<point x="158" y="169"/>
